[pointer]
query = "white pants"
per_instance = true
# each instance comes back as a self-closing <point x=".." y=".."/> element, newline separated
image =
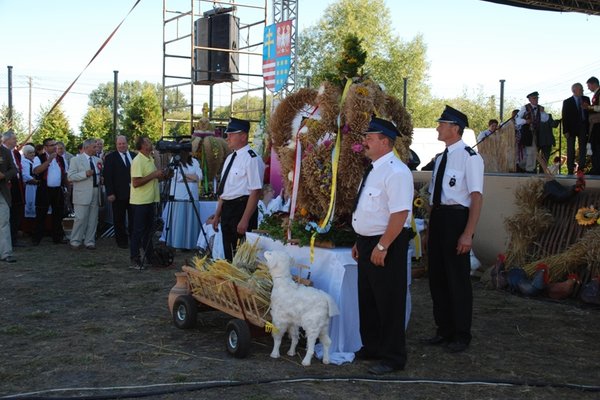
<point x="530" y="158"/>
<point x="5" y="240"/>
<point x="86" y="222"/>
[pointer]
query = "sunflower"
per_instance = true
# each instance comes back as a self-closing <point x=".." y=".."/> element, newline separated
<point x="587" y="216"/>
<point x="419" y="202"/>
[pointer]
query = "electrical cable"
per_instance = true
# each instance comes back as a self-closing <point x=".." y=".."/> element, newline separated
<point x="174" y="388"/>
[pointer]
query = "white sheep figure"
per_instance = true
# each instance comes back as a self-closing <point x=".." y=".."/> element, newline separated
<point x="294" y="306"/>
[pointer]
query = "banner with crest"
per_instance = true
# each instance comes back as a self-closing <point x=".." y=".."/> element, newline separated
<point x="277" y="55"/>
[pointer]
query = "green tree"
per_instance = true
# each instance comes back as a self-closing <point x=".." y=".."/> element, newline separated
<point x="389" y="59"/>
<point x="98" y="123"/>
<point x="142" y="116"/>
<point x="17" y="123"/>
<point x="54" y="125"/>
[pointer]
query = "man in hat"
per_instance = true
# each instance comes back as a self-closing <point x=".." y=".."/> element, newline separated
<point x="117" y="181"/>
<point x="528" y="121"/>
<point x="456" y="198"/>
<point x="239" y="188"/>
<point x="381" y="219"/>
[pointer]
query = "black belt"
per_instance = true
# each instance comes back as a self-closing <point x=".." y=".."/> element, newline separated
<point x="237" y="199"/>
<point x="450" y="207"/>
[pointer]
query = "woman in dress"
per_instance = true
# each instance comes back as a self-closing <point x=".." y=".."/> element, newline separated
<point x="29" y="180"/>
<point x="181" y="224"/>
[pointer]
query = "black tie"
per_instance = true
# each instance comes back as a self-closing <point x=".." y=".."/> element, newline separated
<point x="439" y="177"/>
<point x="93" y="170"/>
<point x="222" y="183"/>
<point x="362" y="185"/>
<point x="127" y="164"/>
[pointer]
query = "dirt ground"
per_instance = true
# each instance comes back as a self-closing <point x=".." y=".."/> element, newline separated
<point x="81" y="323"/>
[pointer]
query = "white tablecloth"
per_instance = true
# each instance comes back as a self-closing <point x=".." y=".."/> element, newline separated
<point x="335" y="272"/>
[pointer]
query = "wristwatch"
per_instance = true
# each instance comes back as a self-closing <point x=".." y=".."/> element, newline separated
<point x="380" y="247"/>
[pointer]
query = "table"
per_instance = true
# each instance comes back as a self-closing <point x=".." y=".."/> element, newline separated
<point x="335" y="272"/>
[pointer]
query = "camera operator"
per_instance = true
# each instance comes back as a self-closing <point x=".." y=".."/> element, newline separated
<point x="239" y="188"/>
<point x="144" y="195"/>
<point x="179" y="211"/>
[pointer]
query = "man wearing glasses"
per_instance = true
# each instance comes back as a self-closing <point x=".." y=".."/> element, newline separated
<point x="51" y="173"/>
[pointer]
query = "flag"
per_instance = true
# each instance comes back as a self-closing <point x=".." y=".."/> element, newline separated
<point x="277" y="55"/>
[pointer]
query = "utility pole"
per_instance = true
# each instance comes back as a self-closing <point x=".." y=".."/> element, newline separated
<point x="404" y="98"/>
<point x="10" y="106"/>
<point x="30" y="85"/>
<point x="115" y="103"/>
<point x="502" y="99"/>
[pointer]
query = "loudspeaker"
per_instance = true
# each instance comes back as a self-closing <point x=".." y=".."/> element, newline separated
<point x="213" y="66"/>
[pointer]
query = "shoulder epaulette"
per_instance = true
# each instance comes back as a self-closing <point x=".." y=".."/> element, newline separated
<point x="470" y="151"/>
<point x="252" y="153"/>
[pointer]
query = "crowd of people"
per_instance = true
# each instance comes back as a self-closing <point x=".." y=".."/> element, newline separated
<point x="580" y="118"/>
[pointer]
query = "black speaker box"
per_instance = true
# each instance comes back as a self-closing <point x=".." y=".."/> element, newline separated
<point x="213" y="66"/>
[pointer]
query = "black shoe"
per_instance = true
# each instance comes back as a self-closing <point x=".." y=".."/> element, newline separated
<point x="35" y="242"/>
<point x="383" y="368"/>
<point x="18" y="244"/>
<point x="456" y="347"/>
<point x="437" y="340"/>
<point x="8" y="259"/>
<point x="363" y="354"/>
<point x="123" y="245"/>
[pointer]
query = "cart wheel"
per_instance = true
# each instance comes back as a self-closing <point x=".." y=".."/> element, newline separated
<point x="185" y="312"/>
<point x="238" y="338"/>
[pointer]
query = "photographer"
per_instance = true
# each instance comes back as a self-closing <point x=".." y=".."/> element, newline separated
<point x="144" y="193"/>
<point x="179" y="211"/>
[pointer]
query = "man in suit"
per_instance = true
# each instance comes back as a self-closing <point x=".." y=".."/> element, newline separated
<point x="17" y="206"/>
<point x="84" y="173"/>
<point x="575" y="126"/>
<point x="594" y="123"/>
<point x="117" y="181"/>
<point x="7" y="172"/>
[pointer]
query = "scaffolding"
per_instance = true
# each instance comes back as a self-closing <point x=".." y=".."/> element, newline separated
<point x="203" y="84"/>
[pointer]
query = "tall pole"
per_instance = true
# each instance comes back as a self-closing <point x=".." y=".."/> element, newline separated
<point x="502" y="99"/>
<point x="115" y="103"/>
<point x="29" y="112"/>
<point x="10" y="106"/>
<point x="404" y="96"/>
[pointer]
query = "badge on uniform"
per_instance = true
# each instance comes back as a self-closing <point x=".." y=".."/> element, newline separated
<point x="452" y="181"/>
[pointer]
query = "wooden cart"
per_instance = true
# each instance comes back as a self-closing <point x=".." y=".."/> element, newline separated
<point x="223" y="295"/>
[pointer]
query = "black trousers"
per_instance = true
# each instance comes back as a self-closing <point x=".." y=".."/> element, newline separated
<point x="122" y="212"/>
<point x="450" y="274"/>
<point x="382" y="299"/>
<point x="595" y="144"/>
<point x="231" y="214"/>
<point x="581" y="153"/>
<point x="53" y="197"/>
<point x="142" y="229"/>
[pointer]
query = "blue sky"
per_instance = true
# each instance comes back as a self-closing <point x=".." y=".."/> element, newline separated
<point x="471" y="45"/>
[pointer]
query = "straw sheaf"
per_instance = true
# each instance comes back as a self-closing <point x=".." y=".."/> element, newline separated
<point x="329" y="106"/>
<point x="358" y="107"/>
<point x="395" y="111"/>
<point x="350" y="171"/>
<point x="582" y="253"/>
<point x="528" y="223"/>
<point x="498" y="150"/>
<point x="316" y="181"/>
<point x="280" y="123"/>
<point x="214" y="152"/>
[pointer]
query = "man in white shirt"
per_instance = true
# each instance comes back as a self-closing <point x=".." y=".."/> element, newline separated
<point x="381" y="220"/>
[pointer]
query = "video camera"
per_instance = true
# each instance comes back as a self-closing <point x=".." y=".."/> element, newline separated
<point x="173" y="146"/>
